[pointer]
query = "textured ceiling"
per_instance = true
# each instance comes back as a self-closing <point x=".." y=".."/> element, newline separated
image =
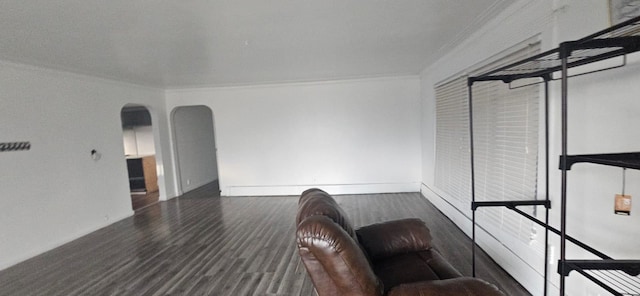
<point x="190" y="43"/>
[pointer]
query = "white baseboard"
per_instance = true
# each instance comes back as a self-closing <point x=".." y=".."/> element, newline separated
<point x="334" y="189"/>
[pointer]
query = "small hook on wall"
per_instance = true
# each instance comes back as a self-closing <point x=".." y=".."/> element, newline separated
<point x="15" y="146"/>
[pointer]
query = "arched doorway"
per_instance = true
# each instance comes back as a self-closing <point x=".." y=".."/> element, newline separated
<point x="140" y="154"/>
<point x="195" y="146"/>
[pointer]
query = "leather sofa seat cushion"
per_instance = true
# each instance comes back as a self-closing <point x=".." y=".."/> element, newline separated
<point x="462" y="286"/>
<point x="413" y="267"/>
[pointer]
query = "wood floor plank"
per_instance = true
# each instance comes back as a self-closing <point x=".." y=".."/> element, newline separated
<point x="203" y="244"/>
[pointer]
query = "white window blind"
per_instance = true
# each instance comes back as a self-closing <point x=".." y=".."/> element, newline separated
<point x="505" y="144"/>
<point x="453" y="169"/>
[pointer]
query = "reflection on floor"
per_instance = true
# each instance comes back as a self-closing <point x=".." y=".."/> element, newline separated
<point x="211" y="189"/>
<point x="141" y="200"/>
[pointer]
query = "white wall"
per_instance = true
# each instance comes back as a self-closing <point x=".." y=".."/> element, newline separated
<point x="346" y="137"/>
<point x="603" y="117"/>
<point x="56" y="192"/>
<point x="195" y="146"/>
<point x="129" y="141"/>
<point x="144" y="140"/>
<point x="138" y="140"/>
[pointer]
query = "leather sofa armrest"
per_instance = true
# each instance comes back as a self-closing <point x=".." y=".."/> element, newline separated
<point x="395" y="237"/>
<point x="464" y="286"/>
<point x="334" y="260"/>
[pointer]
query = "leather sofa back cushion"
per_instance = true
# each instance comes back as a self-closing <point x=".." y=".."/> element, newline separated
<point x="396" y="237"/>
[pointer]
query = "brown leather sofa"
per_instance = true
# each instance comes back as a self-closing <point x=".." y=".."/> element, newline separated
<point x="391" y="258"/>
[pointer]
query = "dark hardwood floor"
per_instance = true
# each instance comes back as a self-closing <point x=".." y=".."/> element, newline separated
<point x="140" y="200"/>
<point x="202" y="244"/>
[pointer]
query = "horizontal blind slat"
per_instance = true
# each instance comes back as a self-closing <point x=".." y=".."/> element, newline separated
<point x="505" y="139"/>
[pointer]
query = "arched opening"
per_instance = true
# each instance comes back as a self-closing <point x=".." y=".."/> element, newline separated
<point x="195" y="146"/>
<point x="140" y="154"/>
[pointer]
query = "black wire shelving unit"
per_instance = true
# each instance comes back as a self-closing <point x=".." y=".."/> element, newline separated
<point x="619" y="277"/>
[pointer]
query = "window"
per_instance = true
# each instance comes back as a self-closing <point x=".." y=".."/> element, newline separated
<point x="506" y="123"/>
<point x="453" y="170"/>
